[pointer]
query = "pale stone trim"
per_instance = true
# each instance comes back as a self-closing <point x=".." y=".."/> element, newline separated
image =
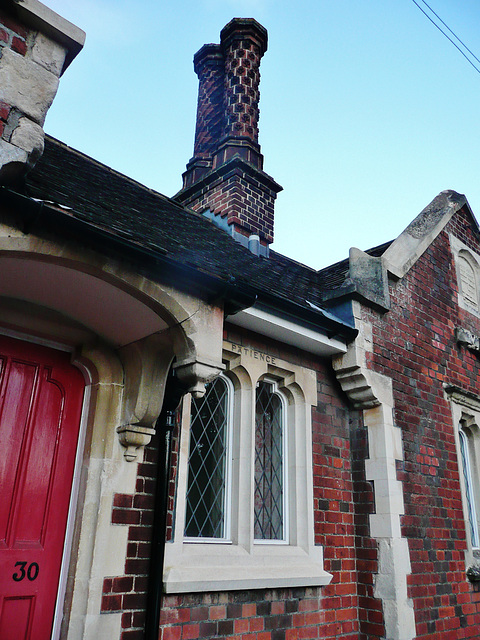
<point x="465" y="406"/>
<point x="41" y="17"/>
<point x="241" y="563"/>
<point x="101" y="547"/>
<point x="288" y="332"/>
<point x="372" y="392"/>
<point x="402" y="254"/>
<point x="461" y="251"/>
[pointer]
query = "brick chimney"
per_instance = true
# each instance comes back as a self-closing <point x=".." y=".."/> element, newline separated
<point x="36" y="46"/>
<point x="225" y="178"/>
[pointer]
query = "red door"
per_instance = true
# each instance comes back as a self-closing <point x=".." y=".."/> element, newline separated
<point x="41" y="396"/>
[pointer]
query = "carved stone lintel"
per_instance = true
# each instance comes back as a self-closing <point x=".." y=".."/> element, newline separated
<point x="196" y="374"/>
<point x="133" y="437"/>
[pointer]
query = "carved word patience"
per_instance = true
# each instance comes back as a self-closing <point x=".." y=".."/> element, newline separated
<point x="253" y="353"/>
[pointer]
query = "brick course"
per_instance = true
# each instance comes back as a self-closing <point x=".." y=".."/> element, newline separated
<point x="127" y="593"/>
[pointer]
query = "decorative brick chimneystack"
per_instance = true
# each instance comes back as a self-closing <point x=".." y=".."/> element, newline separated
<point x="225" y="178"/>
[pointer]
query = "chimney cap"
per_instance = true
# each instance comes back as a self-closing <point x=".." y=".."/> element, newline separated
<point x="207" y="53"/>
<point x="241" y="28"/>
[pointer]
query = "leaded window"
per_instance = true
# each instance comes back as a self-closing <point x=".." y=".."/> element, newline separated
<point x="269" y="502"/>
<point x="208" y="464"/>
<point x="469" y="487"/>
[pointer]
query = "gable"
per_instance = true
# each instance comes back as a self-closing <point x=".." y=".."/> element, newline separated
<point x="402" y="254"/>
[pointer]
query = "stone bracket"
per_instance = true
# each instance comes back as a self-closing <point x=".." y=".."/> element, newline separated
<point x="133" y="437"/>
<point x="195" y="374"/>
<point x="146" y="365"/>
<point x="467" y="339"/>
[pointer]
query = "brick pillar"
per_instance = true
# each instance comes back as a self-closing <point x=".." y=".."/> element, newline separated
<point x="209" y="67"/>
<point x="243" y="41"/>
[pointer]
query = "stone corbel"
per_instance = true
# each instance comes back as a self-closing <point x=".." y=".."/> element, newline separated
<point x="134" y="437"/>
<point x="467" y="339"/>
<point x="195" y="374"/>
<point x="146" y="365"/>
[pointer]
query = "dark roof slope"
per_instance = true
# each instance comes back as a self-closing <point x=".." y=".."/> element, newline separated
<point x="88" y="191"/>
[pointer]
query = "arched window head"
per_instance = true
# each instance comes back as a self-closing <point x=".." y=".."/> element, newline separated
<point x="208" y="463"/>
<point x="269" y="492"/>
<point x="468" y="281"/>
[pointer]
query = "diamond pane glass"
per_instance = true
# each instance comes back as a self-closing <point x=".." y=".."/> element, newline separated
<point x="268" y="496"/>
<point x="205" y="509"/>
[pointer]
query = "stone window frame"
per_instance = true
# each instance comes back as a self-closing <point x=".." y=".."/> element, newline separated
<point x="462" y="252"/>
<point x="228" y="465"/>
<point x="466" y="418"/>
<point x="285" y="454"/>
<point x="242" y="562"/>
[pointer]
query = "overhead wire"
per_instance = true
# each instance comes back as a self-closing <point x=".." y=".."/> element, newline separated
<point x="452" y="32"/>
<point x="446" y="35"/>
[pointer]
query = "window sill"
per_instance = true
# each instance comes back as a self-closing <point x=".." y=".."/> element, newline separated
<point x="205" y="567"/>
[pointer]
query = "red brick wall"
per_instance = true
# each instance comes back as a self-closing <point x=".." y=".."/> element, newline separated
<point x="127" y="593"/>
<point x="414" y="344"/>
<point x="370" y="609"/>
<point x="210" y="68"/>
<point x="240" y="197"/>
<point x="289" y="614"/>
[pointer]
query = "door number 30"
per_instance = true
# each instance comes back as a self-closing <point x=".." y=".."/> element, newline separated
<point x="31" y="572"/>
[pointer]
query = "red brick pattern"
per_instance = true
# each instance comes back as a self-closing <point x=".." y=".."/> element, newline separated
<point x="243" y="200"/>
<point x="414" y="344"/>
<point x="329" y="612"/>
<point x="127" y="593"/>
<point x="4" y="113"/>
<point x="209" y="66"/>
<point x="13" y="35"/>
<point x="281" y="614"/>
<point x="242" y="94"/>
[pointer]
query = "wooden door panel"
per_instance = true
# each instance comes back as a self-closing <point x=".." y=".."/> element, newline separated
<point x="16" y="386"/>
<point x="38" y="472"/>
<point x="41" y="396"/>
<point x="16" y="616"/>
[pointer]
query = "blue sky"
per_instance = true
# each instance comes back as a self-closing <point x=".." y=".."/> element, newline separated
<point x="367" y="112"/>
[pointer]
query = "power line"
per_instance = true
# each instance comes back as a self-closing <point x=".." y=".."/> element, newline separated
<point x="453" y="34"/>
<point x="447" y="36"/>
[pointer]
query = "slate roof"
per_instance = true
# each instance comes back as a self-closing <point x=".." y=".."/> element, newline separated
<point x="88" y="191"/>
